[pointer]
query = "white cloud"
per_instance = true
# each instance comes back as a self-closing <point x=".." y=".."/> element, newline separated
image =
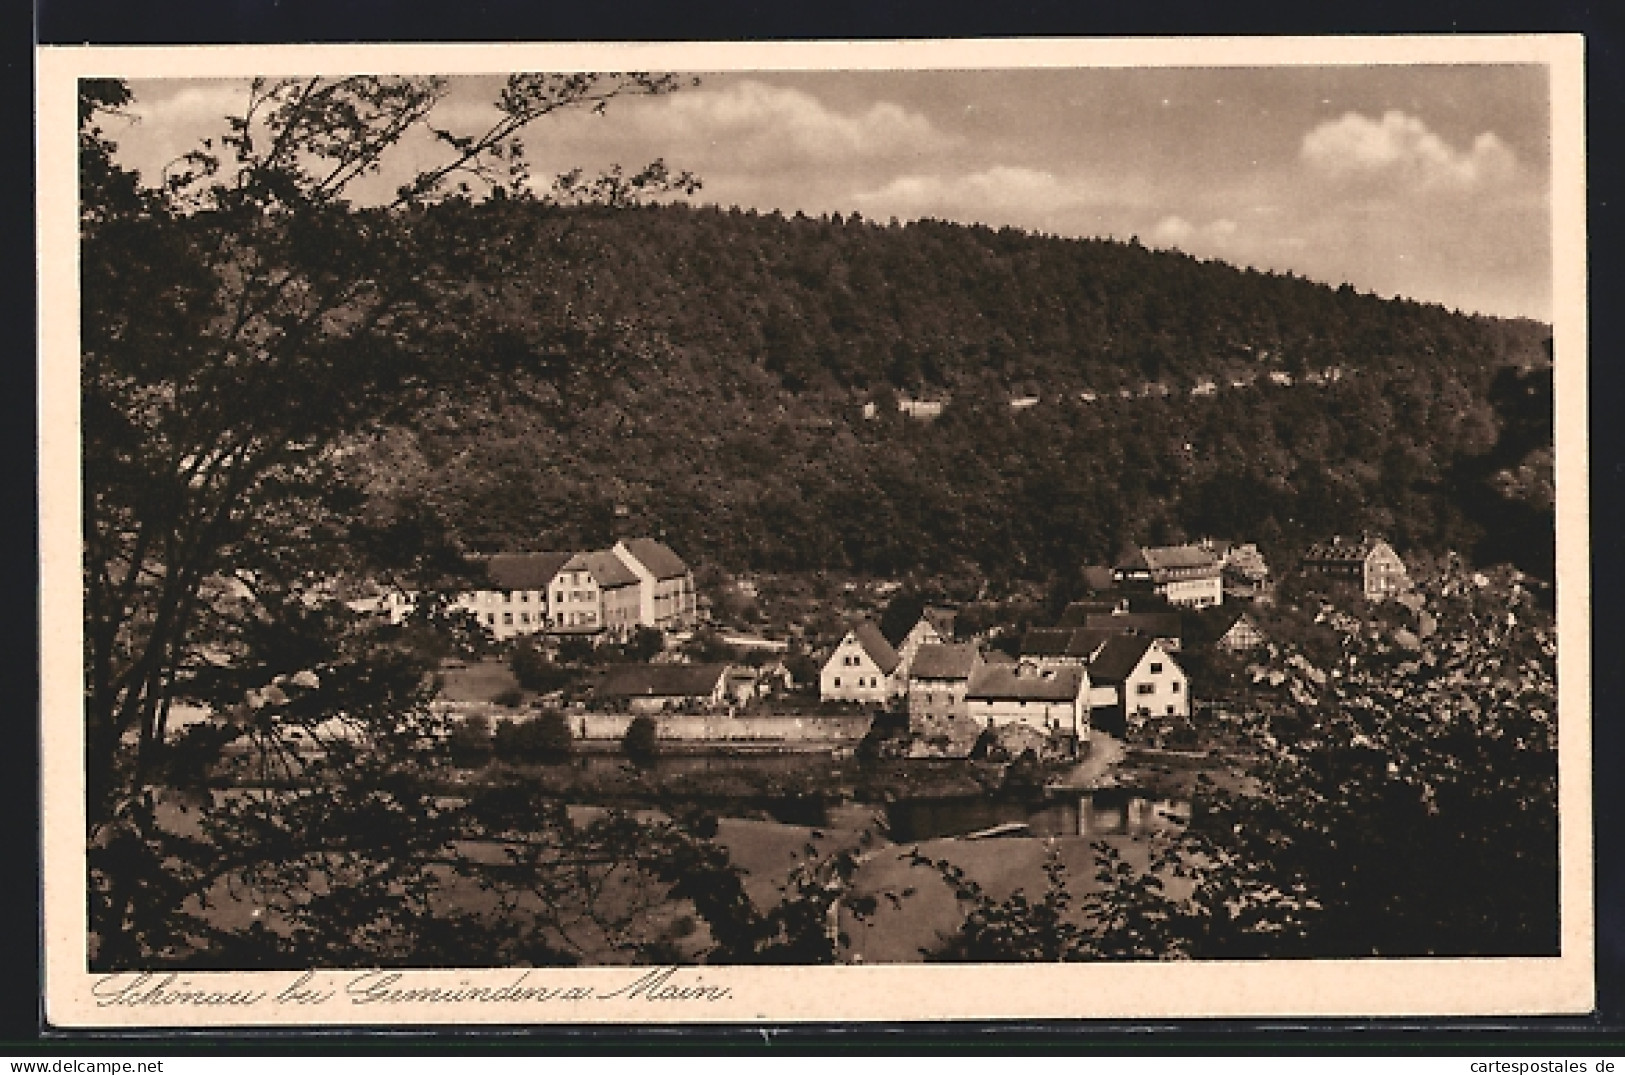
<point x="1400" y="148"/>
<point x="1002" y="188"/>
<point x="193" y="108"/>
<point x="1176" y="231"/>
<point x="1172" y="231"/>
<point x="759" y="121"/>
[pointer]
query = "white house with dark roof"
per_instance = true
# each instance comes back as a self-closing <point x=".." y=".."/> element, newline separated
<point x="516" y="598"/>
<point x="1133" y="679"/>
<point x="639" y="582"/>
<point x="938" y="679"/>
<point x="1371" y="564"/>
<point x="668" y="599"/>
<point x="596" y="592"/>
<point x="1181" y="574"/>
<point x="645" y="688"/>
<point x="1045" y="699"/>
<point x="863" y="667"/>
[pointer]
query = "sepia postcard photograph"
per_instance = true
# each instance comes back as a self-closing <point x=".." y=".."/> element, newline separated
<point x="1048" y="529"/>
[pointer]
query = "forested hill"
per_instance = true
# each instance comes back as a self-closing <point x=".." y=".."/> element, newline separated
<point x="702" y="374"/>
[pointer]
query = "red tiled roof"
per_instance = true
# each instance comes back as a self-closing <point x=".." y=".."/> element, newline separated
<point x="606" y="567"/>
<point x="661" y="680"/>
<point x="1340" y="551"/>
<point x="659" y="559"/>
<point x="1025" y="682"/>
<point x="949" y="661"/>
<point x="1062" y="642"/>
<point x="1118" y="657"/>
<point x="524" y="570"/>
<point x="875" y="645"/>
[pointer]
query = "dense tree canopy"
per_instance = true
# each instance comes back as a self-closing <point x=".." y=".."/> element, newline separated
<point x="724" y="410"/>
<point x="241" y="320"/>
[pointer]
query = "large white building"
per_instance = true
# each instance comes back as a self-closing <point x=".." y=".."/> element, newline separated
<point x="638" y="583"/>
<point x="517" y="597"/>
<point x="1181" y="574"/>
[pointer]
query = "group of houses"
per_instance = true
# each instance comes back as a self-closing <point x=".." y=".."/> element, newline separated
<point x="1203" y="574"/>
<point x="1112" y="677"/>
<point x="1105" y="665"/>
<point x="1109" y="663"/>
<point x="606" y="593"/>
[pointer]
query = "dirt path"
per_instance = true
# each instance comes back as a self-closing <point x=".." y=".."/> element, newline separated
<point x="1105" y="754"/>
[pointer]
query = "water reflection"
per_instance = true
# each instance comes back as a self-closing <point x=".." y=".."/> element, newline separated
<point x="1112" y="811"/>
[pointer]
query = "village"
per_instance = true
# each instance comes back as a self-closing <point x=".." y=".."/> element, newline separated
<point x="604" y="637"/>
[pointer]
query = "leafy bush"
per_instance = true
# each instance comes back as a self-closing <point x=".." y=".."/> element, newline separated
<point x="535" y="671"/>
<point x="542" y="738"/>
<point x="642" y="739"/>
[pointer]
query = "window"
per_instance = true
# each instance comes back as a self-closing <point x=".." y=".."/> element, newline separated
<point x="837" y="681"/>
<point x="1156" y="668"/>
<point x="1145" y="688"/>
<point x="1170" y="711"/>
<point x="507" y="597"/>
<point x="1175" y="686"/>
<point x="559" y="597"/>
<point x="524" y="617"/>
<point x="525" y="597"/>
<point x="490" y="619"/>
<point x="507" y="617"/>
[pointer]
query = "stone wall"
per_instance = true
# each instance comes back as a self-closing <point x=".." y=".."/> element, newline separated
<point x="720" y="728"/>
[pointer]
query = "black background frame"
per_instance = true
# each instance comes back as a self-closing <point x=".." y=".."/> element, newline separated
<point x="131" y="22"/>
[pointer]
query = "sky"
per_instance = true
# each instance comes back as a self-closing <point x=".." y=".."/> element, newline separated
<point x="1427" y="181"/>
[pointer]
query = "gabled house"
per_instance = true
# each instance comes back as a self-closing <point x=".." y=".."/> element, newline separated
<point x="1045" y="699"/>
<point x="1242" y="635"/>
<point x="934" y="628"/>
<point x="1132" y="680"/>
<point x="1370" y="564"/>
<point x="515" y="599"/>
<point x="938" y="679"/>
<point x="646" y="688"/>
<point x="668" y="599"/>
<point x="1180" y="574"/>
<point x="596" y="592"/>
<point x="862" y="668"/>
